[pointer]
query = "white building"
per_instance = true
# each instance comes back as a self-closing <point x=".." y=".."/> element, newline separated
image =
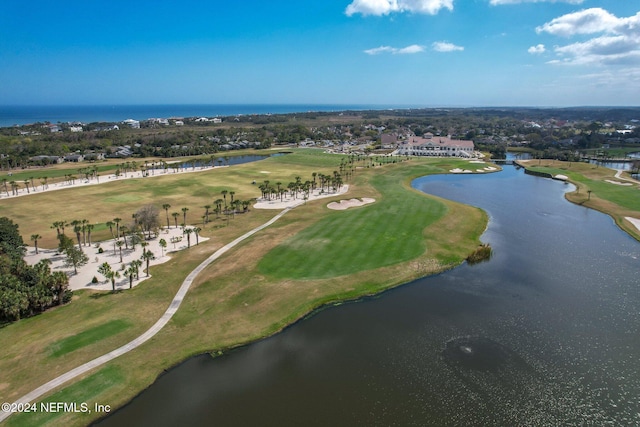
<point x="135" y="124"/>
<point x="437" y="146"/>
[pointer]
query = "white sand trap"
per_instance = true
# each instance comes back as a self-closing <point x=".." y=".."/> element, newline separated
<point x="476" y="161"/>
<point x="350" y="203"/>
<point x="480" y="170"/>
<point x="490" y="168"/>
<point x="634" y="221"/>
<point x="561" y="177"/>
<point x="456" y="170"/>
<point x="265" y="172"/>
<point x="618" y="182"/>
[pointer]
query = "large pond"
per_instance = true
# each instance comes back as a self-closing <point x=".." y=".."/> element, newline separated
<point x="545" y="333"/>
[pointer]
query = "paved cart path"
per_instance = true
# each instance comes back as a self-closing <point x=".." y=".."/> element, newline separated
<point x="168" y="314"/>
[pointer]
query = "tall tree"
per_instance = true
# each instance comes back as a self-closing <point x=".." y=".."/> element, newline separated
<point x="109" y="274"/>
<point x="34" y="239"/>
<point x="184" y="214"/>
<point x="147" y="255"/>
<point x="163" y="245"/>
<point x="147" y="217"/>
<point x="188" y="232"/>
<point x="75" y="258"/>
<point x="166" y="207"/>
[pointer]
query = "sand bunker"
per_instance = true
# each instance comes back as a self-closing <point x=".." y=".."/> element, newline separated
<point x="351" y="203"/>
<point x="458" y="170"/>
<point x="634" y="221"/>
<point x="618" y="182"/>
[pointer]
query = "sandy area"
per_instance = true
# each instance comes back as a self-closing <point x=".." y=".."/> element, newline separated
<point x="618" y="182"/>
<point x="288" y="201"/>
<point x="634" y="221"/>
<point x="82" y="280"/>
<point x="350" y="203"/>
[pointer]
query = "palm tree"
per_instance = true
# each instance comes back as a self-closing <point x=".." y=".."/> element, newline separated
<point x="34" y="238"/>
<point x="206" y="212"/>
<point x="188" y="232"/>
<point x="147" y="255"/>
<point x="130" y="272"/>
<point x="184" y="215"/>
<point x="117" y="221"/>
<point x="175" y="217"/>
<point x="4" y="183"/>
<point x="224" y="194"/>
<point x="77" y="228"/>
<point x="84" y="231"/>
<point x="166" y="207"/>
<point x="110" y="224"/>
<point x="89" y="229"/>
<point x="124" y="229"/>
<point x="109" y="274"/>
<point x="196" y="230"/>
<point x="119" y="244"/>
<point x="57" y="225"/>
<point x="232" y="193"/>
<point x="26" y="184"/>
<point x="136" y="263"/>
<point x="163" y="245"/>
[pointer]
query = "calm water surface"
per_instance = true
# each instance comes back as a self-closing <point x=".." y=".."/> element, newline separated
<point x="545" y="333"/>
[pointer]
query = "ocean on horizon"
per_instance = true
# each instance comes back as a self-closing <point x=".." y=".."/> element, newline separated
<point x="27" y="114"/>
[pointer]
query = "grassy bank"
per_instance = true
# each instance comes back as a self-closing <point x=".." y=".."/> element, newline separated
<point x="596" y="188"/>
<point x="249" y="293"/>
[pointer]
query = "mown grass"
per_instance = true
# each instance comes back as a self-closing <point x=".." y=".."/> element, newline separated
<point x="87" y="391"/>
<point x="593" y="190"/>
<point x="346" y="242"/>
<point x="123" y="197"/>
<point x="87" y="337"/>
<point x="232" y="302"/>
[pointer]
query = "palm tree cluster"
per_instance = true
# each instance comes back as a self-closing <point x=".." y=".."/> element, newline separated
<point x="321" y="182"/>
<point x="26" y="290"/>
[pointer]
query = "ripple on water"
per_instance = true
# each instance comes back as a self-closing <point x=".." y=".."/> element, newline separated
<point x="481" y="354"/>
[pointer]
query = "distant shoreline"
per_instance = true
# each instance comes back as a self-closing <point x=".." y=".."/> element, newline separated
<point x="11" y="115"/>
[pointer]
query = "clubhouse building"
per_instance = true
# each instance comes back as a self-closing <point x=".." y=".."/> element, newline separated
<point x="436" y="146"/>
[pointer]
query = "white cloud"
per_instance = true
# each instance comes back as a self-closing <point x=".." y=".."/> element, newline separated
<point x="385" y="7"/>
<point x="446" y="47"/>
<point x="588" y="21"/>
<point x="414" y="48"/>
<point x="538" y="49"/>
<point x="616" y="41"/>
<point x="501" y="2"/>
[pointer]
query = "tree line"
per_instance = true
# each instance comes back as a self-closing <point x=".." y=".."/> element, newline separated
<point x="26" y="290"/>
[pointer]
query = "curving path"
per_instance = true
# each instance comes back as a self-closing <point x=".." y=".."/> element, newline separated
<point x="153" y="330"/>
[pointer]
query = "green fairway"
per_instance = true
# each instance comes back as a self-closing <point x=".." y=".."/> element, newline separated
<point x="345" y="242"/>
<point x="88" y="337"/>
<point x="74" y="394"/>
<point x="310" y="257"/>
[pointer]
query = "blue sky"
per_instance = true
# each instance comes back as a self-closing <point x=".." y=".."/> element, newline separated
<point x="387" y="52"/>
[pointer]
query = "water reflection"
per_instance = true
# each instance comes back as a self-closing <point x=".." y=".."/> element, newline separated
<point x="543" y="334"/>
